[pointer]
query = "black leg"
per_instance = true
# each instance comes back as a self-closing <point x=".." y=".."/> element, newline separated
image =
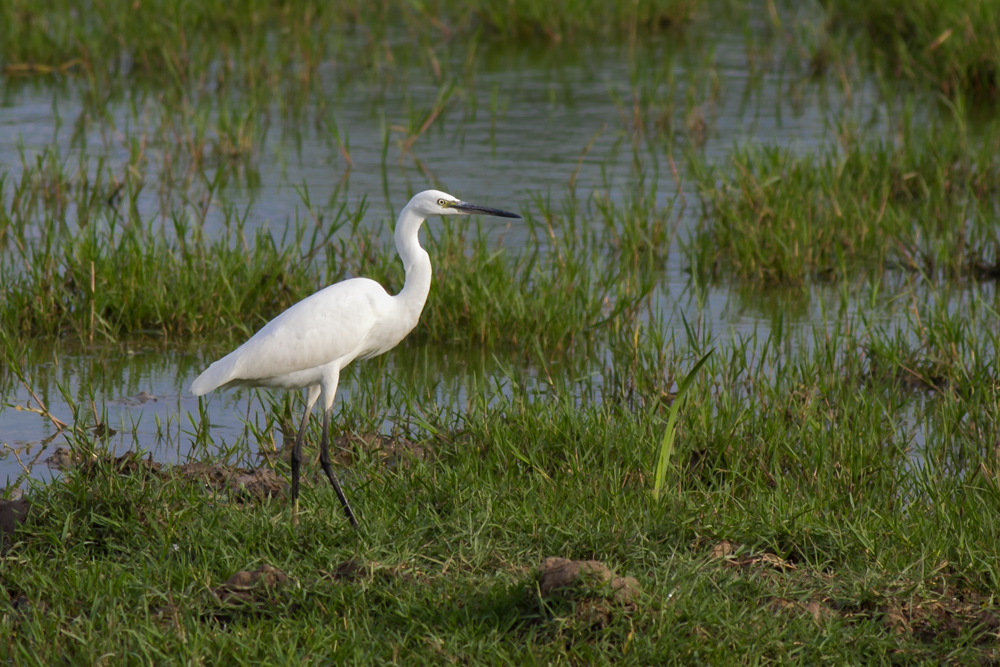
<point x="324" y="460"/>
<point x="297" y="463"/>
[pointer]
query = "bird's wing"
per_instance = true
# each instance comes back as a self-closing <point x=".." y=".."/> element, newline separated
<point x="332" y="324"/>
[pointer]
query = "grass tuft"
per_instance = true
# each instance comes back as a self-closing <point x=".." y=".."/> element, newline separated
<point x="952" y="44"/>
<point x="926" y="206"/>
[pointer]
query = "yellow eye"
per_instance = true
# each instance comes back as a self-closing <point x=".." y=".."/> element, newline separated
<point x="442" y="203"/>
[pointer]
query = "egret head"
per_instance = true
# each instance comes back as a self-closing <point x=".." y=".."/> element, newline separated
<point x="435" y="202"/>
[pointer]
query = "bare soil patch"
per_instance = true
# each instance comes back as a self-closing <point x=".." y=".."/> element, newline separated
<point x="593" y="590"/>
<point x="250" y="593"/>
<point x="248" y="586"/>
<point x="244" y="483"/>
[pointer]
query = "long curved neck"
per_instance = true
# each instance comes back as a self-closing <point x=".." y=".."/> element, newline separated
<point x="416" y="263"/>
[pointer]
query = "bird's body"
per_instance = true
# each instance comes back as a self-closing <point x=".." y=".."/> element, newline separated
<point x="315" y="337"/>
<point x="308" y="345"/>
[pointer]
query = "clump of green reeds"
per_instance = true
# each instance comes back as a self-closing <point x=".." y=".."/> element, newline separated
<point x="107" y="271"/>
<point x="242" y="43"/>
<point x="952" y="44"/>
<point x="80" y="260"/>
<point x="580" y="268"/>
<point x="925" y="204"/>
<point x="166" y="41"/>
<point x="566" y="19"/>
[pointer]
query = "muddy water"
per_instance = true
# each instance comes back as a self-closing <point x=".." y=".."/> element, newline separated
<point x="549" y="109"/>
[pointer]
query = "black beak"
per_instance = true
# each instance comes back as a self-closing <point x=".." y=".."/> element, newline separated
<point x="466" y="207"/>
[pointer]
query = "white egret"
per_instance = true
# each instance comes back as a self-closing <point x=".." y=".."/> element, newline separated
<point x="308" y="345"/>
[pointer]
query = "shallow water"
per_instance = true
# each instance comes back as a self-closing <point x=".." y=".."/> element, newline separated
<point x="551" y="109"/>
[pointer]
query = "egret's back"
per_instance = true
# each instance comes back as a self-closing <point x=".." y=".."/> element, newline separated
<point x="351" y="319"/>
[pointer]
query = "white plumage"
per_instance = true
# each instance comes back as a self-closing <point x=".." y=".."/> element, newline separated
<point x="292" y="350"/>
<point x="307" y="345"/>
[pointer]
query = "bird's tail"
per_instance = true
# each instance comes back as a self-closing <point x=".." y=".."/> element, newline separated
<point x="214" y="377"/>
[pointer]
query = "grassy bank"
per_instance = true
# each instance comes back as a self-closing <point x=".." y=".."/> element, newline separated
<point x="821" y="503"/>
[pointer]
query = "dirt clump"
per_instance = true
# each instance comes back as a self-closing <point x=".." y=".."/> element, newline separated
<point x="950" y="615"/>
<point x="242" y="483"/>
<point x="393" y="452"/>
<point x="12" y="513"/>
<point x="354" y="570"/>
<point x="587" y="591"/>
<point x="251" y="586"/>
<point x="129" y="463"/>
<point x="564" y="576"/>
<point x="254" y="483"/>
<point x="63" y="458"/>
<point x="726" y="551"/>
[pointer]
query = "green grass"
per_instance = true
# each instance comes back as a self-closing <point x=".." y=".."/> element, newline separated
<point x="847" y="540"/>
<point x="119" y="276"/>
<point x="175" y="42"/>
<point x="953" y="45"/>
<point x="829" y="489"/>
<point x="924" y="204"/>
<point x="568" y="19"/>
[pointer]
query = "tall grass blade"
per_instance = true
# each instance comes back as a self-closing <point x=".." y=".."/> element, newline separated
<point x="667" y="443"/>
